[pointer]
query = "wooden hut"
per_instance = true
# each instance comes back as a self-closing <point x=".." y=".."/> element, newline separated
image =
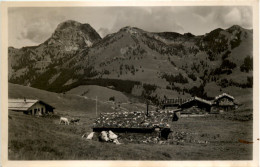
<point x="30" y="106"/>
<point x="224" y="102"/>
<point x="195" y="105"/>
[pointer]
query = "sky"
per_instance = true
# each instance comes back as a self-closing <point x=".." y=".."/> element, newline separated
<point x="32" y="26"/>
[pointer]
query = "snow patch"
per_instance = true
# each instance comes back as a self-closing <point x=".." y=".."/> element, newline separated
<point x="70" y="81"/>
<point x="71" y="48"/>
<point x="53" y="78"/>
<point x="89" y="43"/>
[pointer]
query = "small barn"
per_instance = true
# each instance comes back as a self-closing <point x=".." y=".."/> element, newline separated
<point x="224" y="102"/>
<point x="195" y="105"/>
<point x="156" y="123"/>
<point x="30" y="106"/>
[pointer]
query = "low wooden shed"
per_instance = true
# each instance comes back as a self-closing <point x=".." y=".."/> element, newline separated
<point x="30" y="106"/>
<point x="136" y="122"/>
<point x="202" y="104"/>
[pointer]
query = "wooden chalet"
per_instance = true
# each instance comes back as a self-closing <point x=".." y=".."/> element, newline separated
<point x="195" y="104"/>
<point x="224" y="102"/>
<point x="30" y="106"/>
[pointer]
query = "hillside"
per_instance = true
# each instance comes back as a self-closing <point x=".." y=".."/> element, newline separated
<point x="102" y="93"/>
<point x="80" y="101"/>
<point x="147" y="64"/>
<point x="65" y="104"/>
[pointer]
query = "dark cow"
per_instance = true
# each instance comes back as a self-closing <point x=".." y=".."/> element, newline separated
<point x="73" y="121"/>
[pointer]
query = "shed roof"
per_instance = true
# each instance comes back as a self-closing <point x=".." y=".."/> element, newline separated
<point x="135" y="120"/>
<point x="224" y="95"/>
<point x="197" y="99"/>
<point x="22" y="105"/>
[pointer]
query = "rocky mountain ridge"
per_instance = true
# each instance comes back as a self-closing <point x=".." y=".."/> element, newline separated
<point x="149" y="64"/>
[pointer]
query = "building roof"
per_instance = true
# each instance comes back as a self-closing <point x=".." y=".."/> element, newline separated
<point x="224" y="95"/>
<point x="198" y="99"/>
<point x="134" y="119"/>
<point x="21" y="105"/>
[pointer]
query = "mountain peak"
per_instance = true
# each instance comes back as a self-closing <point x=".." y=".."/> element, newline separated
<point x="68" y="23"/>
<point x="73" y="35"/>
<point x="235" y="27"/>
<point x="131" y="30"/>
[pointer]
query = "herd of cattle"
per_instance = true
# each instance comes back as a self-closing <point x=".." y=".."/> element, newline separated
<point x="105" y="136"/>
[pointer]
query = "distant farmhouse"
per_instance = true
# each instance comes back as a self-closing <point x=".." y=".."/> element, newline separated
<point x="196" y="105"/>
<point x="196" y="102"/>
<point x="224" y="102"/>
<point x="30" y="106"/>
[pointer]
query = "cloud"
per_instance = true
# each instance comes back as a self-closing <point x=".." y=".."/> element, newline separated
<point x="28" y="26"/>
<point x="103" y="32"/>
<point x="37" y="31"/>
<point x="233" y="17"/>
<point x="150" y="19"/>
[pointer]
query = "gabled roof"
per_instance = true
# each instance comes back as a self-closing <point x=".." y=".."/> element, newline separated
<point x="21" y="105"/>
<point x="224" y="95"/>
<point x="197" y="99"/>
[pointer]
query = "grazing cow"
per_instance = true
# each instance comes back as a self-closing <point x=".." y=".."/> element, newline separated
<point x="64" y="120"/>
<point x="73" y="121"/>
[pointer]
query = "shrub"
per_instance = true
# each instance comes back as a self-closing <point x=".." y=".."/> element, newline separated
<point x="197" y="91"/>
<point x="112" y="98"/>
<point x="178" y="78"/>
<point x="228" y="64"/>
<point x="224" y="83"/>
<point x="247" y="65"/>
<point x="235" y="42"/>
<point x="225" y="55"/>
<point x="192" y="76"/>
<point x="149" y="88"/>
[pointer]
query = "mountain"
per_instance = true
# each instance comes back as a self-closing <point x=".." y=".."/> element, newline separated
<point x="68" y="40"/>
<point x="149" y="64"/>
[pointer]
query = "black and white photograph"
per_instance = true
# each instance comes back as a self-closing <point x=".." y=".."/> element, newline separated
<point x="136" y="83"/>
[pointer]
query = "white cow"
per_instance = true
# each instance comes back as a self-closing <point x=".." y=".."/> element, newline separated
<point x="90" y="136"/>
<point x="111" y="135"/>
<point x="116" y="141"/>
<point x="65" y="120"/>
<point x="104" y="136"/>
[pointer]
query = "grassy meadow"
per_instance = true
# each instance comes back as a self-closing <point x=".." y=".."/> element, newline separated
<point x="42" y="138"/>
<point x="32" y="138"/>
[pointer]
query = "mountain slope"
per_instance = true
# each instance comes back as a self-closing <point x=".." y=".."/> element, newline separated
<point x="69" y="39"/>
<point x="63" y="103"/>
<point x="149" y="64"/>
